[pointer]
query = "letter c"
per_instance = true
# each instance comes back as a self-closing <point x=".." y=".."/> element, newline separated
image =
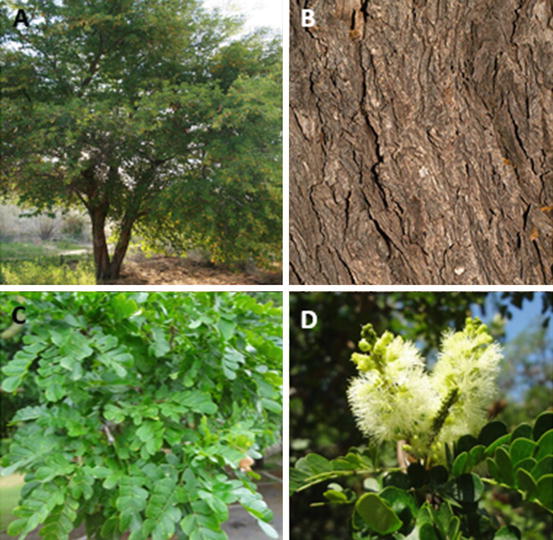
<point x="14" y="315"/>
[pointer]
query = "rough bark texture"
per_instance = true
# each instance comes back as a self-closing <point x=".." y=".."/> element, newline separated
<point x="421" y="142"/>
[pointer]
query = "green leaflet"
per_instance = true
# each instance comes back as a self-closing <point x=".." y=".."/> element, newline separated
<point x="226" y="327"/>
<point x="123" y="306"/>
<point x="162" y="513"/>
<point x="231" y="362"/>
<point x="272" y="405"/>
<point x="131" y="502"/>
<point x="544" y="491"/>
<point x="29" y="446"/>
<point x="197" y="401"/>
<point x="54" y="388"/>
<point x="151" y="434"/>
<point x="36" y="508"/>
<point x="377" y="514"/>
<point x="217" y="506"/>
<point x="27" y="413"/>
<point x="118" y="360"/>
<point x="159" y="346"/>
<point x="254" y="504"/>
<point x="16" y="370"/>
<point x="73" y="347"/>
<point x="55" y="465"/>
<point x="313" y="469"/>
<point x="114" y="413"/>
<point x="199" y="526"/>
<point x="543" y="423"/>
<point x="507" y="533"/>
<point x="59" y="523"/>
<point x="81" y="484"/>
<point x="267" y="529"/>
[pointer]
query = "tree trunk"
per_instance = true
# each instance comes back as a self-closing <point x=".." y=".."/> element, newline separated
<point x="108" y="269"/>
<point x="121" y="247"/>
<point x="421" y="136"/>
<point x="99" y="244"/>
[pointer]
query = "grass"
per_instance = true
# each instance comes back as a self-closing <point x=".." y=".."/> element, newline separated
<point x="23" y="263"/>
<point x="22" y="250"/>
<point x="26" y="251"/>
<point x="46" y="272"/>
<point x="10" y="488"/>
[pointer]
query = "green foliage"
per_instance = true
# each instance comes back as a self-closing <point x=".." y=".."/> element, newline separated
<point x="150" y="115"/>
<point x="314" y="468"/>
<point x="396" y="504"/>
<point x="140" y="423"/>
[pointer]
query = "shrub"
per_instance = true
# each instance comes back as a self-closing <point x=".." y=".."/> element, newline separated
<point x="46" y="227"/>
<point x="74" y="226"/>
<point x="147" y="405"/>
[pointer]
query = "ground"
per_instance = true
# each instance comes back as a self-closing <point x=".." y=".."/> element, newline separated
<point x="69" y="263"/>
<point x="178" y="271"/>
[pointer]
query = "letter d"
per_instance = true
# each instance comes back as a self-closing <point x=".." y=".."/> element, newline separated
<point x="308" y="319"/>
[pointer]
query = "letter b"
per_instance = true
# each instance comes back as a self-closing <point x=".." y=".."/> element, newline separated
<point x="307" y="18"/>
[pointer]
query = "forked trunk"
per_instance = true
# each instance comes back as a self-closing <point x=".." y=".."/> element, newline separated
<point x="121" y="248"/>
<point x="108" y="269"/>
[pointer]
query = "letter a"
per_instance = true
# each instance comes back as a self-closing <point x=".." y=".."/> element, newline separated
<point x="21" y="17"/>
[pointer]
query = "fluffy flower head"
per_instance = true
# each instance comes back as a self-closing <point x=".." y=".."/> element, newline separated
<point x="394" y="398"/>
<point x="469" y="362"/>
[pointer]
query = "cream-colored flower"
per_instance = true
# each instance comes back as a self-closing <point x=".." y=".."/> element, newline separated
<point x="469" y="362"/>
<point x="393" y="397"/>
<point x="395" y="410"/>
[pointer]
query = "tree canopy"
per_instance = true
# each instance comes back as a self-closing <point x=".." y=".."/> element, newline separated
<point x="151" y="115"/>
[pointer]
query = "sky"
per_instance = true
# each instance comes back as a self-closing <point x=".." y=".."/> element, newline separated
<point x="521" y="318"/>
<point x="258" y="13"/>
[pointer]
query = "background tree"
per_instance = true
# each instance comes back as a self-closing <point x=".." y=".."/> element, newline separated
<point x="129" y="107"/>
<point x="320" y="370"/>
<point x="420" y="142"/>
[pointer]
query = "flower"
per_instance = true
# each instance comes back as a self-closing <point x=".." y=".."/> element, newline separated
<point x="394" y="398"/>
<point x="469" y="362"/>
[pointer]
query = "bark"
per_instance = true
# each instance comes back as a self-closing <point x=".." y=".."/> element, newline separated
<point x="421" y="142"/>
<point x="108" y="268"/>
<point x="98" y="216"/>
<point x="121" y="248"/>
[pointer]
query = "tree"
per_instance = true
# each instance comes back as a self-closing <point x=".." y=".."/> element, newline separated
<point x="145" y="406"/>
<point x="129" y="108"/>
<point x="420" y="142"/>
